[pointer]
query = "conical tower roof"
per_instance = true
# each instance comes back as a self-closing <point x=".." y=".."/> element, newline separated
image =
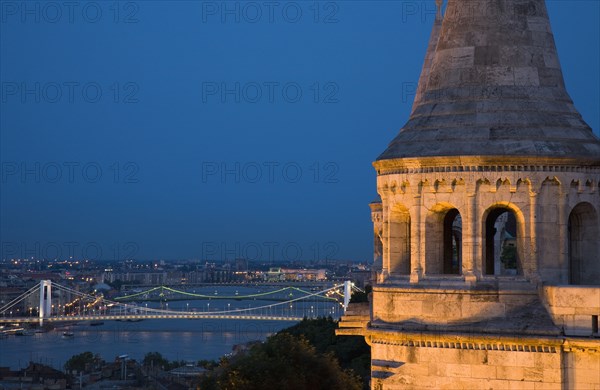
<point x="492" y="85"/>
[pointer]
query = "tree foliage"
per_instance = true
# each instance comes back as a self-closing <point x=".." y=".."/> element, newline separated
<point x="352" y="352"/>
<point x="117" y="284"/>
<point x="282" y="362"/>
<point x="358" y="297"/>
<point x="208" y="364"/>
<point x="509" y="257"/>
<point x="156" y="360"/>
<point x="81" y="361"/>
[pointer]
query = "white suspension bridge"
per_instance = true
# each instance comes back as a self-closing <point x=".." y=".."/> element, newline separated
<point x="88" y="307"/>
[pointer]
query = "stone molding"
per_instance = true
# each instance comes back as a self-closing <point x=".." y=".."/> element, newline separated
<point x="494" y="168"/>
<point x="469" y="345"/>
<point x="485" y="164"/>
<point x="496" y="342"/>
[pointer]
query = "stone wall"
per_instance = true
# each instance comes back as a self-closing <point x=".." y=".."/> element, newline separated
<point x="448" y="305"/>
<point x="573" y="308"/>
<point x="581" y="370"/>
<point x="470" y="362"/>
<point x="452" y="368"/>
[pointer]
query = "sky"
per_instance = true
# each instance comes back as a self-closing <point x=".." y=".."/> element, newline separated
<point x="215" y="130"/>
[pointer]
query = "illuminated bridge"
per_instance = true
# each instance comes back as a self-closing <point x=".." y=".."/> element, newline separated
<point x="293" y="304"/>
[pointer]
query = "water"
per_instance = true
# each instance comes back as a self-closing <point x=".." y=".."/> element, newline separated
<point x="180" y="339"/>
<point x="189" y="340"/>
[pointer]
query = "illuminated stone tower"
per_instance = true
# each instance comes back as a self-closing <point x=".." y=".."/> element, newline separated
<point x="490" y="275"/>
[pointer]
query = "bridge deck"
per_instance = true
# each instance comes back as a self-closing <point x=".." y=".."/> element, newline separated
<point x="150" y="316"/>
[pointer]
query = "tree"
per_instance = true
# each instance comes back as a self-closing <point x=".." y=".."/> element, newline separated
<point x="352" y="352"/>
<point x="155" y="359"/>
<point x="81" y="361"/>
<point x="208" y="364"/>
<point x="358" y="297"/>
<point x="117" y="284"/>
<point x="508" y="257"/>
<point x="282" y="362"/>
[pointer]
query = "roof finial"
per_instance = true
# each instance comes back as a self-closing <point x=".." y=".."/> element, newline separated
<point x="438" y="4"/>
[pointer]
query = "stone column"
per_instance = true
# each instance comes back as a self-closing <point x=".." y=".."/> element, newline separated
<point x="471" y="235"/>
<point x="530" y="252"/>
<point x="385" y="242"/>
<point x="417" y="230"/>
<point x="468" y="239"/>
<point x="563" y="223"/>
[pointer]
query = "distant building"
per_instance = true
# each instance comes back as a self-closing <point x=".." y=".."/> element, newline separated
<point x="34" y="376"/>
<point x="241" y="265"/>
<point x="304" y="275"/>
<point x="153" y="278"/>
<point x="276" y="274"/>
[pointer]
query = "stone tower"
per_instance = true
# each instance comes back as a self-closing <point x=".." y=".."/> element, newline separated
<point x="490" y="234"/>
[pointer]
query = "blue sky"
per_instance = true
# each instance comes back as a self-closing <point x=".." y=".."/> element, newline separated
<point x="169" y="130"/>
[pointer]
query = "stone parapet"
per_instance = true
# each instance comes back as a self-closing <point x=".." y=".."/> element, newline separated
<point x="356" y="317"/>
<point x="494" y="309"/>
<point x="575" y="309"/>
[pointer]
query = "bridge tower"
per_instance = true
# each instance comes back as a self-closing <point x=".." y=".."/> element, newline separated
<point x="45" y="299"/>
<point x="347" y="293"/>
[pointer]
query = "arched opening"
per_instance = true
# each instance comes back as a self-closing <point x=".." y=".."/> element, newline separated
<point x="452" y="242"/>
<point x="584" y="259"/>
<point x="501" y="249"/>
<point x="443" y="241"/>
<point x="399" y="242"/>
<point x="377" y="248"/>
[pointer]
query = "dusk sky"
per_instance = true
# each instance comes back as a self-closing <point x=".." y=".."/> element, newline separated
<point x="176" y="130"/>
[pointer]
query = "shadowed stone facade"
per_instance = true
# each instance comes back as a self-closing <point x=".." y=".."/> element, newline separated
<point x="488" y="221"/>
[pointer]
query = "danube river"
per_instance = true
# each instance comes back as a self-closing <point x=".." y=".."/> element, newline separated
<point x="181" y="339"/>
